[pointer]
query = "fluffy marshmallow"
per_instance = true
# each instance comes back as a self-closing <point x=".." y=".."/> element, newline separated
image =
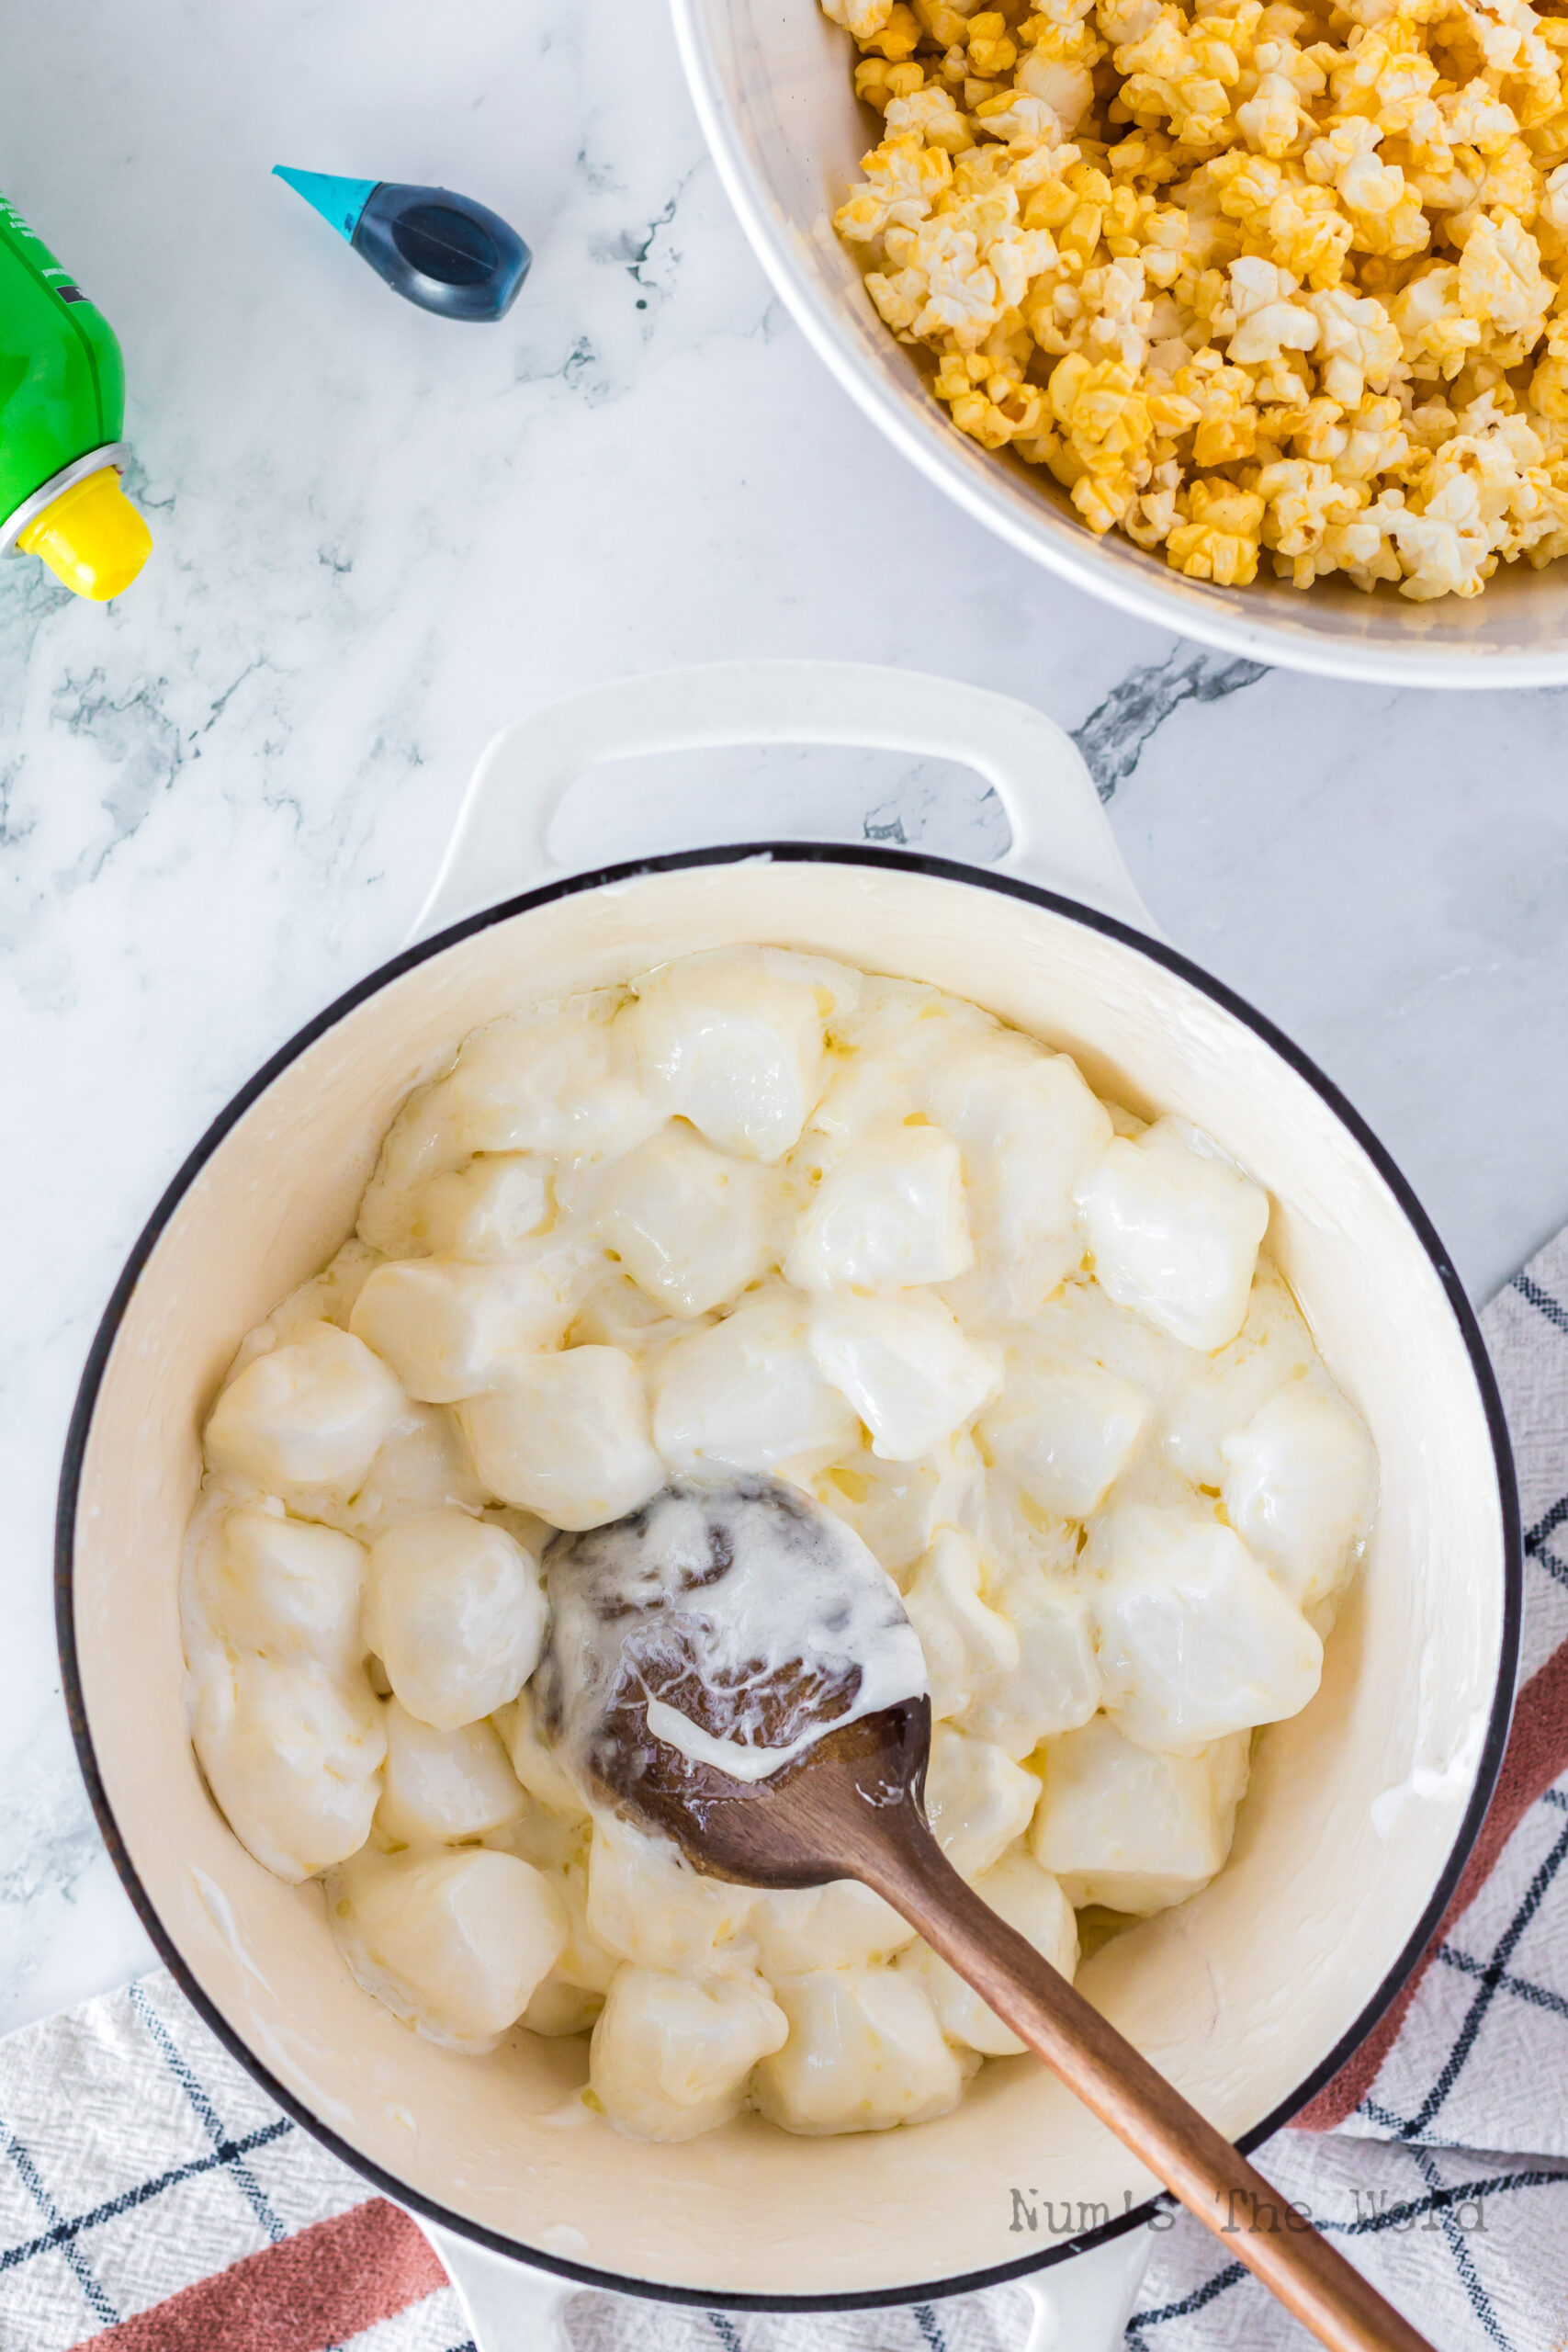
<point x="965" y="1642"/>
<point x="489" y="1209"/>
<point x="897" y="1507"/>
<point x="864" y="2052"/>
<point x="977" y="1800"/>
<point x="1120" y="1825"/>
<point x="293" y="1755"/>
<point x="455" y="1610"/>
<point x="455" y="1942"/>
<point x="1065" y="1431"/>
<point x="1054" y="1684"/>
<point x="282" y="1587"/>
<point x="799" y="1929"/>
<point x="568" y="1438"/>
<point x="534" y="1761"/>
<point x="689" y="1224"/>
<point x="1029" y="1899"/>
<point x="423" y="1466"/>
<point x="313" y="1413"/>
<point x="1196" y="1639"/>
<point x="650" y="1907"/>
<point x="443" y="1786"/>
<point x="1299" y="1483"/>
<point x="1033" y="1134"/>
<point x="450" y="1329"/>
<point x="906" y="1367"/>
<point x="887" y="1215"/>
<point x="671" y="2058"/>
<point x="745" y="1394"/>
<point x="1218" y="1394"/>
<point x="556" y="1080"/>
<point x="1175" y="1227"/>
<point x="732" y="1041"/>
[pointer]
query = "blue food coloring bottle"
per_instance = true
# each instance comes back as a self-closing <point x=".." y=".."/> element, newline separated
<point x="444" y="252"/>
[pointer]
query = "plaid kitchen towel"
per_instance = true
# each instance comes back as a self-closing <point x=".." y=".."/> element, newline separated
<point x="152" y="2199"/>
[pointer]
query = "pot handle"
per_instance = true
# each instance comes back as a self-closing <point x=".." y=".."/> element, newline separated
<point x="1061" y="837"/>
<point x="509" y="2306"/>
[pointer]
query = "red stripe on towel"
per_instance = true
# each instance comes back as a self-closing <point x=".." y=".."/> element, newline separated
<point x="328" y="2282"/>
<point x="1538" y="1755"/>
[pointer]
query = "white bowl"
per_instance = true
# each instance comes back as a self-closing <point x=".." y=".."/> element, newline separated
<point x="1361" y="1810"/>
<point x="771" y="81"/>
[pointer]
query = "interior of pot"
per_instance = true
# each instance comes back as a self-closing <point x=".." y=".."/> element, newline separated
<point x="1240" y="1994"/>
<point x="775" y="78"/>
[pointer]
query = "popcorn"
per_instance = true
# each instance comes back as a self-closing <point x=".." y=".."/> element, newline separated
<point x="1253" y="241"/>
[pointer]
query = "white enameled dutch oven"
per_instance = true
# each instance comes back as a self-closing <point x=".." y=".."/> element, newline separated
<point x="771" y="82"/>
<point x="1361" y="1811"/>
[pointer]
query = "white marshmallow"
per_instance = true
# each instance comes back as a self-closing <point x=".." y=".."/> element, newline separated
<point x="1301" y="1480"/>
<point x="566" y="1438"/>
<point x="1065" y="1431"/>
<point x="887" y="1215"/>
<point x="455" y="1942"/>
<point x="1175" y="1227"/>
<point x="1029" y="1899"/>
<point x="314" y="1412"/>
<point x="1053" y="1683"/>
<point x="293" y="1756"/>
<point x="1120" y="1825"/>
<point x="1218" y="1394"/>
<point x="455" y="1610"/>
<point x="443" y="1786"/>
<point x="965" y="1642"/>
<point x="732" y="1041"/>
<point x="423" y="1466"/>
<point x="534" y="1761"/>
<point x="897" y="1507"/>
<point x="864" y="2052"/>
<point x="977" y="1800"/>
<point x="1033" y="1134"/>
<point x="904" y="1364"/>
<point x="282" y="1587"/>
<point x="746" y="1395"/>
<point x="1196" y="1639"/>
<point x="689" y="1224"/>
<point x="487" y="1210"/>
<point x="555" y="1081"/>
<point x="799" y="1929"/>
<point x="450" y="1329"/>
<point x="650" y="1907"/>
<point x="671" y="2058"/>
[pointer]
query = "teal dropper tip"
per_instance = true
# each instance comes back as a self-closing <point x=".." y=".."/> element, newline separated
<point x="338" y="201"/>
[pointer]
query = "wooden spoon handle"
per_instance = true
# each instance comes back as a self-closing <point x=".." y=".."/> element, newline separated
<point x="1213" y="2179"/>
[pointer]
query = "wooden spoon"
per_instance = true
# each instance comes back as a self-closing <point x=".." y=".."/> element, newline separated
<point x="851" y="1805"/>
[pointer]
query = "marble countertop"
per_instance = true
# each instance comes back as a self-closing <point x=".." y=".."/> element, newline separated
<point x="381" y="535"/>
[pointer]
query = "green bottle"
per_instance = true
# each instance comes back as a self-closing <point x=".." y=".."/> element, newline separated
<point x="62" y="414"/>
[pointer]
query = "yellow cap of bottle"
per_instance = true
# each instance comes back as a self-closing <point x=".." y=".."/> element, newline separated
<point x="90" y="537"/>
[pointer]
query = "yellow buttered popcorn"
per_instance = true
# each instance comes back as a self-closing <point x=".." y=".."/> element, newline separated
<point x="1258" y="283"/>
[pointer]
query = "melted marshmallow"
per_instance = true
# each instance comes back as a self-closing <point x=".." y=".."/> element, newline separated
<point x="745" y="1605"/>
